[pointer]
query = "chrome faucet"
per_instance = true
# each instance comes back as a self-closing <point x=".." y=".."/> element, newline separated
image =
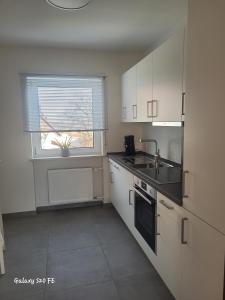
<point x="157" y="154"/>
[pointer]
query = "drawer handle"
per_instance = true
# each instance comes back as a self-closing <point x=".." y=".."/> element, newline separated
<point x="166" y="205"/>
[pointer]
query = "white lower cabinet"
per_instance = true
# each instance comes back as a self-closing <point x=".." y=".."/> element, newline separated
<point x="190" y="253"/>
<point x="122" y="198"/>
<point x="122" y="195"/>
<point x="169" y="243"/>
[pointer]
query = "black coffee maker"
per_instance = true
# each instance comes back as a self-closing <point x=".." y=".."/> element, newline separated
<point x="129" y="145"/>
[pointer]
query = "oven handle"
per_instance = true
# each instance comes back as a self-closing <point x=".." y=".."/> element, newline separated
<point x="140" y="194"/>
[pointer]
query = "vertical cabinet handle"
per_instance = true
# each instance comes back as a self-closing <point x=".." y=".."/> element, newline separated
<point x="156" y="222"/>
<point x="182" y="231"/>
<point x="130" y="202"/>
<point x="154" y="108"/>
<point x="149" y="115"/>
<point x="111" y="177"/>
<point x="183" y="104"/>
<point x="124" y="113"/>
<point x="183" y="186"/>
<point x="134" y="111"/>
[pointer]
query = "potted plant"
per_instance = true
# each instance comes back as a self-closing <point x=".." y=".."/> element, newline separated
<point x="63" y="144"/>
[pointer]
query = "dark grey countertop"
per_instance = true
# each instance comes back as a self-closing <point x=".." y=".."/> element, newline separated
<point x="171" y="190"/>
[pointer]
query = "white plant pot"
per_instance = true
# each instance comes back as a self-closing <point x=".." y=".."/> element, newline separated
<point x="65" y="152"/>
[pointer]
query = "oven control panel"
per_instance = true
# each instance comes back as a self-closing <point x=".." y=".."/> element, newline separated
<point x="145" y="187"/>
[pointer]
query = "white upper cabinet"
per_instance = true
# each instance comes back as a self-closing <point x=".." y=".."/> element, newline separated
<point x="168" y="65"/>
<point x="129" y="95"/>
<point x="144" y="89"/>
<point x="204" y="143"/>
<point x="153" y="89"/>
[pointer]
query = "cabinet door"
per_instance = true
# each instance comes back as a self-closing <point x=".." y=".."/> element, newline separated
<point x="121" y="193"/>
<point x="129" y="95"/>
<point x="168" y="62"/>
<point x="2" y="243"/>
<point x="169" y="243"/>
<point x="202" y="261"/>
<point x="204" y="145"/>
<point x="114" y="192"/>
<point x="127" y="198"/>
<point x="144" y="89"/>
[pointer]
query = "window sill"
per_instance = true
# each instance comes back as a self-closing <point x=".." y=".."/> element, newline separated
<point x="66" y="158"/>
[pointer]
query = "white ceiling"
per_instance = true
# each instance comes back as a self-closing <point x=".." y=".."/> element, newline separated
<point x="104" y="24"/>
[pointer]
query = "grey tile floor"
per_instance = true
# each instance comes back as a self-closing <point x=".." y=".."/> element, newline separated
<point x="88" y="251"/>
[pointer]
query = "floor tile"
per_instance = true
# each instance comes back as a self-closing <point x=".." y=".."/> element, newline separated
<point x="89" y="251"/>
<point x="141" y="286"/>
<point x="103" y="214"/>
<point x="77" y="267"/>
<point x="8" y="288"/>
<point x="112" y="231"/>
<point x="23" y="264"/>
<point x="79" y="217"/>
<point x="163" y="291"/>
<point x="27" y="223"/>
<point x="20" y="262"/>
<point x="126" y="259"/>
<point x="26" y="296"/>
<point x="68" y="238"/>
<point x="27" y="238"/>
<point x="100" y="291"/>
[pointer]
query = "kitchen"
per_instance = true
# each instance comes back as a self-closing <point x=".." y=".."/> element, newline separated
<point x="135" y="204"/>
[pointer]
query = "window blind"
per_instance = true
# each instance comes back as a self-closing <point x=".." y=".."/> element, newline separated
<point x="63" y="103"/>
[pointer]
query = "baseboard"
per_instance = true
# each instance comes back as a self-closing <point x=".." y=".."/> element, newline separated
<point x="108" y="204"/>
<point x="70" y="205"/>
<point x="19" y="214"/>
<point x="54" y="207"/>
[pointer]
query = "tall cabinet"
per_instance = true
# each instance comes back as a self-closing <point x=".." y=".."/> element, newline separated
<point x="2" y="243"/>
<point x="204" y="153"/>
<point x="204" y="142"/>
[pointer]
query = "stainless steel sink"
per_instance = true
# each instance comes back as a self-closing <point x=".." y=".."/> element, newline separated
<point x="138" y="159"/>
<point x="143" y="162"/>
<point x="143" y="166"/>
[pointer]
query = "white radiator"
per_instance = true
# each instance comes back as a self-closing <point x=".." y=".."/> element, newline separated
<point x="70" y="185"/>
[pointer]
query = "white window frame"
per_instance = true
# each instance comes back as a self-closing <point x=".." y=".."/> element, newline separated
<point x="38" y="152"/>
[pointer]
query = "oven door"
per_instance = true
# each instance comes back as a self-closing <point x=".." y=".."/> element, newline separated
<point x="145" y="219"/>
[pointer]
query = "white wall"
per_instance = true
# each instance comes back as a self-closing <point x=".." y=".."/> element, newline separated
<point x="16" y="173"/>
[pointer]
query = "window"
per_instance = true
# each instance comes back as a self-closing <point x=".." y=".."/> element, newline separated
<point x="64" y="108"/>
<point x="82" y="143"/>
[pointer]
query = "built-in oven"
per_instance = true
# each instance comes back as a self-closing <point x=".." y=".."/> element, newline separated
<point x="145" y="212"/>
